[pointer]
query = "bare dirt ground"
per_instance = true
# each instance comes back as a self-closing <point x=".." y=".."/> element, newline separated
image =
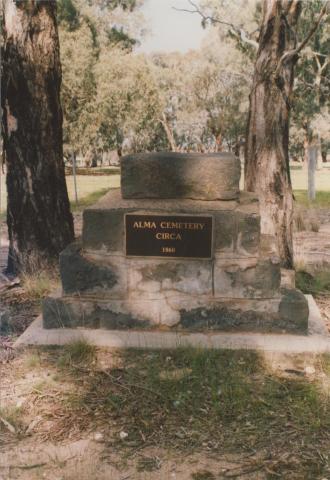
<point x="39" y="440"/>
<point x="313" y="248"/>
<point x="88" y="460"/>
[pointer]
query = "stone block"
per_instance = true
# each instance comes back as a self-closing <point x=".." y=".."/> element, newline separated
<point x="78" y="312"/>
<point x="103" y="229"/>
<point x="5" y="326"/>
<point x="78" y="274"/>
<point x="267" y="277"/>
<point x="288" y="278"/>
<point x="104" y="223"/>
<point x="248" y="233"/>
<point x="192" y="277"/>
<point x="180" y="175"/>
<point x="225" y="231"/>
<point x="224" y="318"/>
<point x="237" y="232"/>
<point x="246" y="278"/>
<point x="61" y="312"/>
<point x="294" y="310"/>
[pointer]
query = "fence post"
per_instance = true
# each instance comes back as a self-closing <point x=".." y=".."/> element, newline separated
<point x="74" y="176"/>
<point x="312" y="162"/>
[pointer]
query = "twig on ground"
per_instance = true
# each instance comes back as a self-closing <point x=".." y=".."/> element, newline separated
<point x="8" y="425"/>
<point x="24" y="467"/>
<point x="241" y="473"/>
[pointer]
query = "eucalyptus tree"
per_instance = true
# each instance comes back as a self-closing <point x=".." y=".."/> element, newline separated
<point x="87" y="30"/>
<point x="127" y="102"/>
<point x="39" y="221"/>
<point x="276" y="46"/>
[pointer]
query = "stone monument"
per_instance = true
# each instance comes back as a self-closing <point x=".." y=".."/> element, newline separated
<point x="178" y="247"/>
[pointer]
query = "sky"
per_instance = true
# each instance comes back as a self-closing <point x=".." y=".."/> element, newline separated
<point x="169" y="29"/>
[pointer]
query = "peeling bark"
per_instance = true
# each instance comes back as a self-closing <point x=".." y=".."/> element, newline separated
<point x="266" y="149"/>
<point x="40" y="224"/>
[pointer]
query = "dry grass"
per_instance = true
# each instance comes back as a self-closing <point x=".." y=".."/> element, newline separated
<point x="11" y="420"/>
<point x="39" y="284"/>
<point x="305" y="219"/>
<point x="76" y="353"/>
<point x="38" y="276"/>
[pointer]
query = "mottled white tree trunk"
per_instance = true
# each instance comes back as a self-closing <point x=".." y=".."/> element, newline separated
<point x="266" y="152"/>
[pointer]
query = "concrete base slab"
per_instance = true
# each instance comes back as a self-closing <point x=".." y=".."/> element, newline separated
<point x="317" y="340"/>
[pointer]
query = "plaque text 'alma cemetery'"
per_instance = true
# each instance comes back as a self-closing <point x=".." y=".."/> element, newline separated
<point x="168" y="236"/>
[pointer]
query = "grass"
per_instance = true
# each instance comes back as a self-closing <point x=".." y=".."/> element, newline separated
<point x="191" y="400"/>
<point x="305" y="219"/>
<point x="40" y="283"/>
<point x="89" y="199"/>
<point x="114" y="170"/>
<point x="86" y="185"/>
<point x="76" y="353"/>
<point x="313" y="284"/>
<point x="32" y="361"/>
<point x="322" y="199"/>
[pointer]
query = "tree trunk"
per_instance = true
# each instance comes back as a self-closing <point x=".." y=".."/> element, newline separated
<point x="218" y="142"/>
<point x="169" y="133"/>
<point x="306" y="147"/>
<point x="319" y="165"/>
<point x="266" y="150"/>
<point x="39" y="221"/>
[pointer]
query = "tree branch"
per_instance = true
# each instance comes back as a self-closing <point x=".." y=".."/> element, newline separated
<point x="295" y="52"/>
<point x="238" y="32"/>
<point x="319" y="54"/>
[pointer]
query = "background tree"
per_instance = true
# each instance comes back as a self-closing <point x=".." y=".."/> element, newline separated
<point x="87" y="31"/>
<point x="203" y="95"/>
<point x="127" y="103"/>
<point x="311" y="93"/>
<point x="221" y="88"/>
<point x="38" y="213"/>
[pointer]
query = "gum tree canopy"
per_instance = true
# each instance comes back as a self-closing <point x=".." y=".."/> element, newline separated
<point x="39" y="221"/>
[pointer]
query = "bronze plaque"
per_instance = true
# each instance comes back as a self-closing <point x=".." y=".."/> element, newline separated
<point x="182" y="236"/>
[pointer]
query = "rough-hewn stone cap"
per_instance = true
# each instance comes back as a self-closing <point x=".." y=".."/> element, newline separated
<point x="212" y="176"/>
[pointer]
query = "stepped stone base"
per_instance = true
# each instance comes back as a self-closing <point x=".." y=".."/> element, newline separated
<point x="238" y="289"/>
<point x="286" y="314"/>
